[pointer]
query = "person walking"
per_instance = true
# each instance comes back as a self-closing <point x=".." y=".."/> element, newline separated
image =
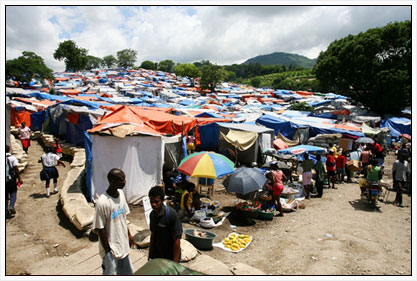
<point x="399" y="176"/>
<point x="111" y="225"/>
<point x="49" y="161"/>
<point x="307" y="166"/>
<point x="320" y="175"/>
<point x="165" y="226"/>
<point x="12" y="174"/>
<point x="24" y="135"/>
<point x="340" y="167"/>
<point x="331" y="168"/>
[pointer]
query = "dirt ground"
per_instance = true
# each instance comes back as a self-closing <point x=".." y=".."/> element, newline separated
<point x="338" y="234"/>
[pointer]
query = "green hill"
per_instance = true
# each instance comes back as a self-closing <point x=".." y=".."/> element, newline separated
<point x="281" y="58"/>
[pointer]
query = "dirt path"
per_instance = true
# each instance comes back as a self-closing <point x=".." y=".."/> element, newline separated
<point x="335" y="235"/>
<point x="40" y="224"/>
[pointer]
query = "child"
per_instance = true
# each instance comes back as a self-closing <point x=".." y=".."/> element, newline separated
<point x="58" y="148"/>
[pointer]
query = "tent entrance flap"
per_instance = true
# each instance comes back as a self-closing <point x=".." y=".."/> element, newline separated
<point x="240" y="139"/>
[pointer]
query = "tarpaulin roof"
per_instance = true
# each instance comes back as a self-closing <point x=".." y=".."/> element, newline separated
<point x="127" y="119"/>
<point x="397" y="126"/>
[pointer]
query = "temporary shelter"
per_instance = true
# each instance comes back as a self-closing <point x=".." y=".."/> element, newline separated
<point x="246" y="140"/>
<point x="129" y="139"/>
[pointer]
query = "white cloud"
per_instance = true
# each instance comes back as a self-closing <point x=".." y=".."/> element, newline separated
<point x="223" y="35"/>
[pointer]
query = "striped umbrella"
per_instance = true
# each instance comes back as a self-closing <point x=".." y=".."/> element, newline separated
<point x="206" y="165"/>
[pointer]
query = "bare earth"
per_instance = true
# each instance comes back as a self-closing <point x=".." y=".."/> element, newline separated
<point x="336" y="235"/>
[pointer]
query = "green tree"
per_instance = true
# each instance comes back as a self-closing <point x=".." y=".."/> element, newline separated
<point x="75" y="58"/>
<point x="93" y="62"/>
<point x="256" y="82"/>
<point x="187" y="70"/>
<point x="211" y="76"/>
<point x="166" y="65"/>
<point x="126" y="58"/>
<point x="302" y="106"/>
<point x="26" y="67"/>
<point x="109" y="61"/>
<point x="147" y="64"/>
<point x="373" y="67"/>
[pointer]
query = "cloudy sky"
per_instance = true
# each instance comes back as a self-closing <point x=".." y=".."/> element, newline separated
<point x="221" y="34"/>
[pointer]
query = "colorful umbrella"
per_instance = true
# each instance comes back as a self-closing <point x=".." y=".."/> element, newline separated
<point x="206" y="165"/>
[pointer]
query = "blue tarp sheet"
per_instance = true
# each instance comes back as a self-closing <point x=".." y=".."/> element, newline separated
<point x="209" y="114"/>
<point x="186" y="102"/>
<point x="36" y="120"/>
<point x="43" y="96"/>
<point x="75" y="133"/>
<point x="286" y="128"/>
<point x="90" y="104"/>
<point x="326" y="115"/>
<point x="88" y="144"/>
<point x="397" y="126"/>
<point x="209" y="135"/>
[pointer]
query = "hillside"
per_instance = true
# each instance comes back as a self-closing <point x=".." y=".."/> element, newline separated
<point x="281" y="58"/>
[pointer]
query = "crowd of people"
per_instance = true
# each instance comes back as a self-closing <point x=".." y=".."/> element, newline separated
<point x="166" y="221"/>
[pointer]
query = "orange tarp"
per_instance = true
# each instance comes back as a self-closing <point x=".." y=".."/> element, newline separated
<point x="346" y="127"/>
<point x="37" y="102"/>
<point x="61" y="78"/>
<point x="124" y="114"/>
<point x="166" y="123"/>
<point x="17" y="117"/>
<point x="342" y="112"/>
<point x="70" y="92"/>
<point x="304" y="93"/>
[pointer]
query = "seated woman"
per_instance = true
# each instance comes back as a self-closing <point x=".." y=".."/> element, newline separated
<point x="272" y="184"/>
<point x="179" y="184"/>
<point x="187" y="206"/>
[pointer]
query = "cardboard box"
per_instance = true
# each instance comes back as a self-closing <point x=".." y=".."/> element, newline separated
<point x="353" y="165"/>
<point x="346" y="144"/>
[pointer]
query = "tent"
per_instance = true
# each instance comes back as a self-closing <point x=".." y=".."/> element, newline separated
<point x="122" y="139"/>
<point x="397" y="126"/>
<point x="246" y="140"/>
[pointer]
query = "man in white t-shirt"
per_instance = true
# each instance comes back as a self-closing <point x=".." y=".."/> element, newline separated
<point x="111" y="226"/>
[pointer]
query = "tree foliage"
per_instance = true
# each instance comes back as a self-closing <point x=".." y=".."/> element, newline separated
<point x="93" y="62"/>
<point x="126" y="58"/>
<point x="211" y="76"/>
<point x="373" y="67"/>
<point x="187" y="70"/>
<point x="147" y="64"/>
<point x="109" y="61"/>
<point x="302" y="106"/>
<point x="26" y="67"/>
<point x="75" y="58"/>
<point x="166" y="65"/>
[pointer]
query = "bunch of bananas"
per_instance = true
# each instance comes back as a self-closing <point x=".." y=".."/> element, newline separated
<point x="236" y="242"/>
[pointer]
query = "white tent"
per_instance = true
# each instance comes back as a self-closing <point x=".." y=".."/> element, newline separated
<point x="141" y="157"/>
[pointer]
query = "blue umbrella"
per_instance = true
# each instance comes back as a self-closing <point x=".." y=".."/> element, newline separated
<point x="299" y="149"/>
<point x="245" y="180"/>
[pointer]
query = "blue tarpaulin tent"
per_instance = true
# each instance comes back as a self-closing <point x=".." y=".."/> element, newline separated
<point x="286" y="128"/>
<point x="397" y="126"/>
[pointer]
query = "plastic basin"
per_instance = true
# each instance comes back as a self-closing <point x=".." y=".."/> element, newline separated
<point x="200" y="242"/>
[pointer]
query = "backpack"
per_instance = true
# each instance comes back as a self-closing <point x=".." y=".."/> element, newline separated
<point x="10" y="173"/>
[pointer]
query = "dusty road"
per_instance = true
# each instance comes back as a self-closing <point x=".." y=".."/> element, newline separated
<point x="335" y="235"/>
